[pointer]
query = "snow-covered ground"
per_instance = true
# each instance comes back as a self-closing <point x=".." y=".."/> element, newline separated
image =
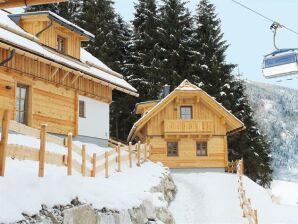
<point x="21" y="191"/>
<point x="213" y="198"/>
<point x="286" y="193"/>
<point x="206" y="198"/>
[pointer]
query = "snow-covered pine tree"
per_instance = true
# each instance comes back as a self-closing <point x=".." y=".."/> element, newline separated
<point x="144" y="48"/>
<point x="69" y="10"/>
<point x="99" y="18"/>
<point x="175" y="39"/>
<point x="215" y="77"/>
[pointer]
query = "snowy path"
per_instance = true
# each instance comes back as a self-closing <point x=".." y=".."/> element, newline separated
<point x="206" y="198"/>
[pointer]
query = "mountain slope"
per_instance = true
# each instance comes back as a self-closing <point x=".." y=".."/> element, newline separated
<point x="276" y="111"/>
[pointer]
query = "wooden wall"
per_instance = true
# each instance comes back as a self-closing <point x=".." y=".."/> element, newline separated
<point x="35" y="23"/>
<point x="201" y="111"/>
<point x="47" y="104"/>
<point x="187" y="157"/>
<point x="52" y="95"/>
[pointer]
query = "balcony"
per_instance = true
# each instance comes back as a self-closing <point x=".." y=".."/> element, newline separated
<point x="188" y="127"/>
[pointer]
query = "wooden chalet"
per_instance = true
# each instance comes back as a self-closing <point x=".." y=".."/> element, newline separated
<point x="46" y="77"/>
<point x="186" y="129"/>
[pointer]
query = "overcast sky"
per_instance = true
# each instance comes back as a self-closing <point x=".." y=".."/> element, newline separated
<point x="249" y="36"/>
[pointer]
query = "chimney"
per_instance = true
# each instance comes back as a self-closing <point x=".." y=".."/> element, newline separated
<point x="166" y="90"/>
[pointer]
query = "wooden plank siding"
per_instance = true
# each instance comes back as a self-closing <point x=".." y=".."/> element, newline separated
<point x="205" y="125"/>
<point x="52" y="98"/>
<point x="33" y="24"/>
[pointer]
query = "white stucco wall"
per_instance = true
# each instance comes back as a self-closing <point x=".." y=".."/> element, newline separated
<point x="96" y="121"/>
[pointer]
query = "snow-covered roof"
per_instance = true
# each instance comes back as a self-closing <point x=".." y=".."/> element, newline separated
<point x="11" y="34"/>
<point x="56" y="18"/>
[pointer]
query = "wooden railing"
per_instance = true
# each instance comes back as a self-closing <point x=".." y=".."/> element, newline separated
<point x="245" y="203"/>
<point x="89" y="165"/>
<point x="188" y="126"/>
<point x="231" y="167"/>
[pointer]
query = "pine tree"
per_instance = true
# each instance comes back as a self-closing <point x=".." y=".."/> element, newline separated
<point x="144" y="48"/>
<point x="176" y="37"/>
<point x="215" y="77"/>
<point x="69" y="10"/>
<point x="99" y="18"/>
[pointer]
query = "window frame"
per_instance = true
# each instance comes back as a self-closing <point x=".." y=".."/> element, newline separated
<point x="191" y="112"/>
<point x="65" y="43"/>
<point x="83" y="115"/>
<point x="201" y="143"/>
<point x="18" y="99"/>
<point x="171" y="154"/>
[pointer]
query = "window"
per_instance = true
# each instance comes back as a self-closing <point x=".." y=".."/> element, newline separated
<point x="82" y="109"/>
<point x="61" y="44"/>
<point x="186" y="112"/>
<point x="201" y="148"/>
<point x="21" y="104"/>
<point x="172" y="148"/>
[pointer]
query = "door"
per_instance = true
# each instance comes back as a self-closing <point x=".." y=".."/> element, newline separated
<point x="22" y="104"/>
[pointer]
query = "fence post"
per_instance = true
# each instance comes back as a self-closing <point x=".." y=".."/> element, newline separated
<point x="242" y="167"/>
<point x="129" y="155"/>
<point x="106" y="164"/>
<point x="139" y="153"/>
<point x="256" y="216"/>
<point x="83" y="169"/>
<point x="119" y="157"/>
<point x="42" y="149"/>
<point x="69" y="154"/>
<point x="4" y="139"/>
<point x="145" y="152"/>
<point x="93" y="172"/>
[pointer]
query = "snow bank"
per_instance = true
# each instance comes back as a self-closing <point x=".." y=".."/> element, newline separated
<point x="285" y="192"/>
<point x="269" y="212"/>
<point x="22" y="191"/>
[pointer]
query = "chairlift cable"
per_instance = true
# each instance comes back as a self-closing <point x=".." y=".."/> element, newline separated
<point x="263" y="16"/>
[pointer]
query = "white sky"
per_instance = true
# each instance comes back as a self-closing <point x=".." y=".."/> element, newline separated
<point x="249" y="35"/>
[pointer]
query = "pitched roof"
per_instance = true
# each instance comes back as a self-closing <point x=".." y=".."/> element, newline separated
<point x="56" y="18"/>
<point x="184" y="87"/>
<point x="17" y="38"/>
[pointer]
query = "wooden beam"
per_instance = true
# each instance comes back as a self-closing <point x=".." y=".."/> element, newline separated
<point x="4" y="139"/>
<point x="75" y="78"/>
<point x="54" y="72"/>
<point x="19" y="3"/>
<point x="64" y="77"/>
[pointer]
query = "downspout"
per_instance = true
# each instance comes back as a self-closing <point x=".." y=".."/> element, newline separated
<point x="11" y="55"/>
<point x="44" y="29"/>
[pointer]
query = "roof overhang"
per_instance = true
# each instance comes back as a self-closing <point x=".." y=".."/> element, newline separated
<point x="234" y="124"/>
<point x="33" y="54"/>
<point x="20" y="3"/>
<point x="56" y="18"/>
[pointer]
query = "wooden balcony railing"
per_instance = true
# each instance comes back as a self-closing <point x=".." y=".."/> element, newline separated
<point x="191" y="126"/>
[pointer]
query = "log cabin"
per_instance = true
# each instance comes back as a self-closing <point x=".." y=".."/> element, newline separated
<point x="186" y="129"/>
<point x="47" y="77"/>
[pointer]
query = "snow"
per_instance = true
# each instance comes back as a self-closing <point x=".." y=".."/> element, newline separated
<point x="32" y="46"/>
<point x="213" y="198"/>
<point x="22" y="191"/>
<point x="285" y="192"/>
<point x="276" y="112"/>
<point x="206" y="198"/>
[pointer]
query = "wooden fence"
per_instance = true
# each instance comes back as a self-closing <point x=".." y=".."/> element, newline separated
<point x="247" y="211"/>
<point x="90" y="165"/>
<point x="231" y="167"/>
